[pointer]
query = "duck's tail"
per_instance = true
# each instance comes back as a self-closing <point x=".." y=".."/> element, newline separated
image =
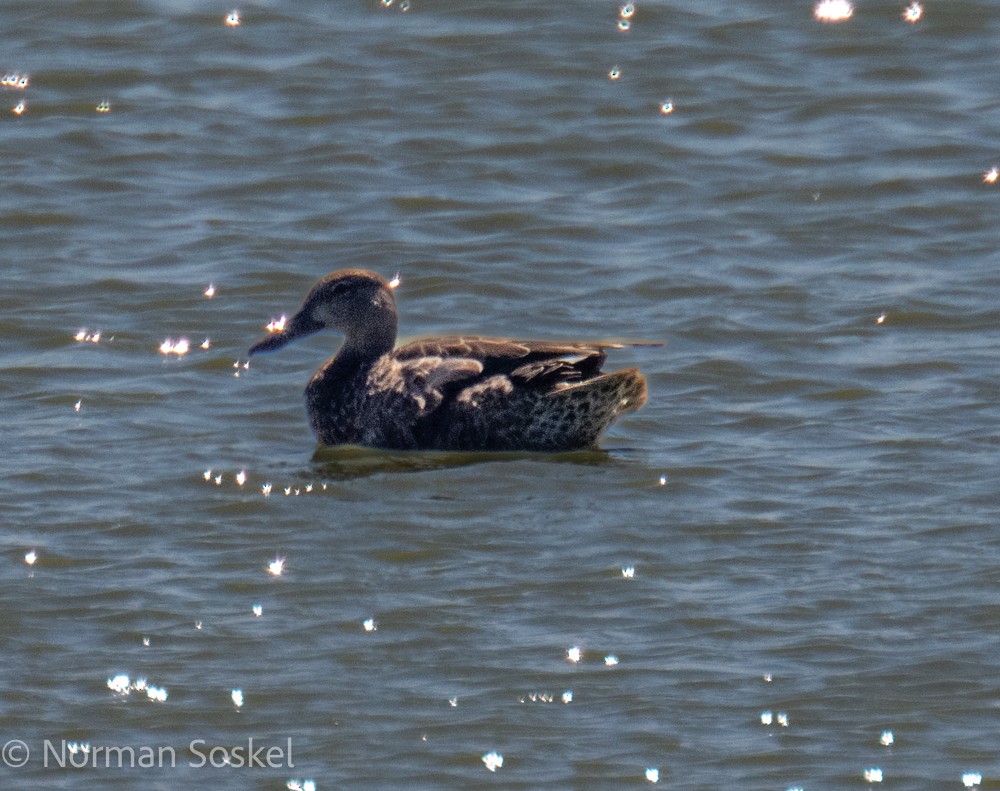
<point x="587" y="408"/>
<point x="620" y="391"/>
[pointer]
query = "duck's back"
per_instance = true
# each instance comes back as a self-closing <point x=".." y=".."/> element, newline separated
<point x="462" y="393"/>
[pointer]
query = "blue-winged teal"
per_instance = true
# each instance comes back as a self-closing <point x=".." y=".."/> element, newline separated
<point x="452" y="393"/>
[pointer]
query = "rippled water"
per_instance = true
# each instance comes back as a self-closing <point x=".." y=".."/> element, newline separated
<point x="809" y="497"/>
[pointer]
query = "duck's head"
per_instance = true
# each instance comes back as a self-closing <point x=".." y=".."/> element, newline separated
<point x="354" y="302"/>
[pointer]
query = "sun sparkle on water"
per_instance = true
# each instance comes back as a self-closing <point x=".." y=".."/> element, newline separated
<point x="833" y="11"/>
<point x="179" y="347"/>
<point x="276" y="567"/>
<point x="493" y="760"/>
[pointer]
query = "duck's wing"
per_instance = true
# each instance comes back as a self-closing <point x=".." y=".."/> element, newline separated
<point x="542" y="364"/>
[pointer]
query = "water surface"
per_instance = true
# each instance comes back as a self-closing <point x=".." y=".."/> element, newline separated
<point x="808" y="232"/>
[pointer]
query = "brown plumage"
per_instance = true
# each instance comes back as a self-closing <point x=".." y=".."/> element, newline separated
<point x="452" y="393"/>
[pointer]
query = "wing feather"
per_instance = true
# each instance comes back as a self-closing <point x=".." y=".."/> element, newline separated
<point x="459" y="362"/>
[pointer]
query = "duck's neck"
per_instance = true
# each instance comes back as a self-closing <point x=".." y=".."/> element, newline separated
<point x="371" y="340"/>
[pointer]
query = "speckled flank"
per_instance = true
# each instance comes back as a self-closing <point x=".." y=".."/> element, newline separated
<point x="449" y="393"/>
<point x="507" y="418"/>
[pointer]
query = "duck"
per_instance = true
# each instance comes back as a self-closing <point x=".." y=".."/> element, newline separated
<point x="453" y="393"/>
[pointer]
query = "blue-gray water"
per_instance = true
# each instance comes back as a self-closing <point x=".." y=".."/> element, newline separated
<point x="829" y="512"/>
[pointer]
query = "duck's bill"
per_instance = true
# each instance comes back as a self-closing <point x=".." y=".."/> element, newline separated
<point x="270" y="343"/>
<point x="297" y="327"/>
